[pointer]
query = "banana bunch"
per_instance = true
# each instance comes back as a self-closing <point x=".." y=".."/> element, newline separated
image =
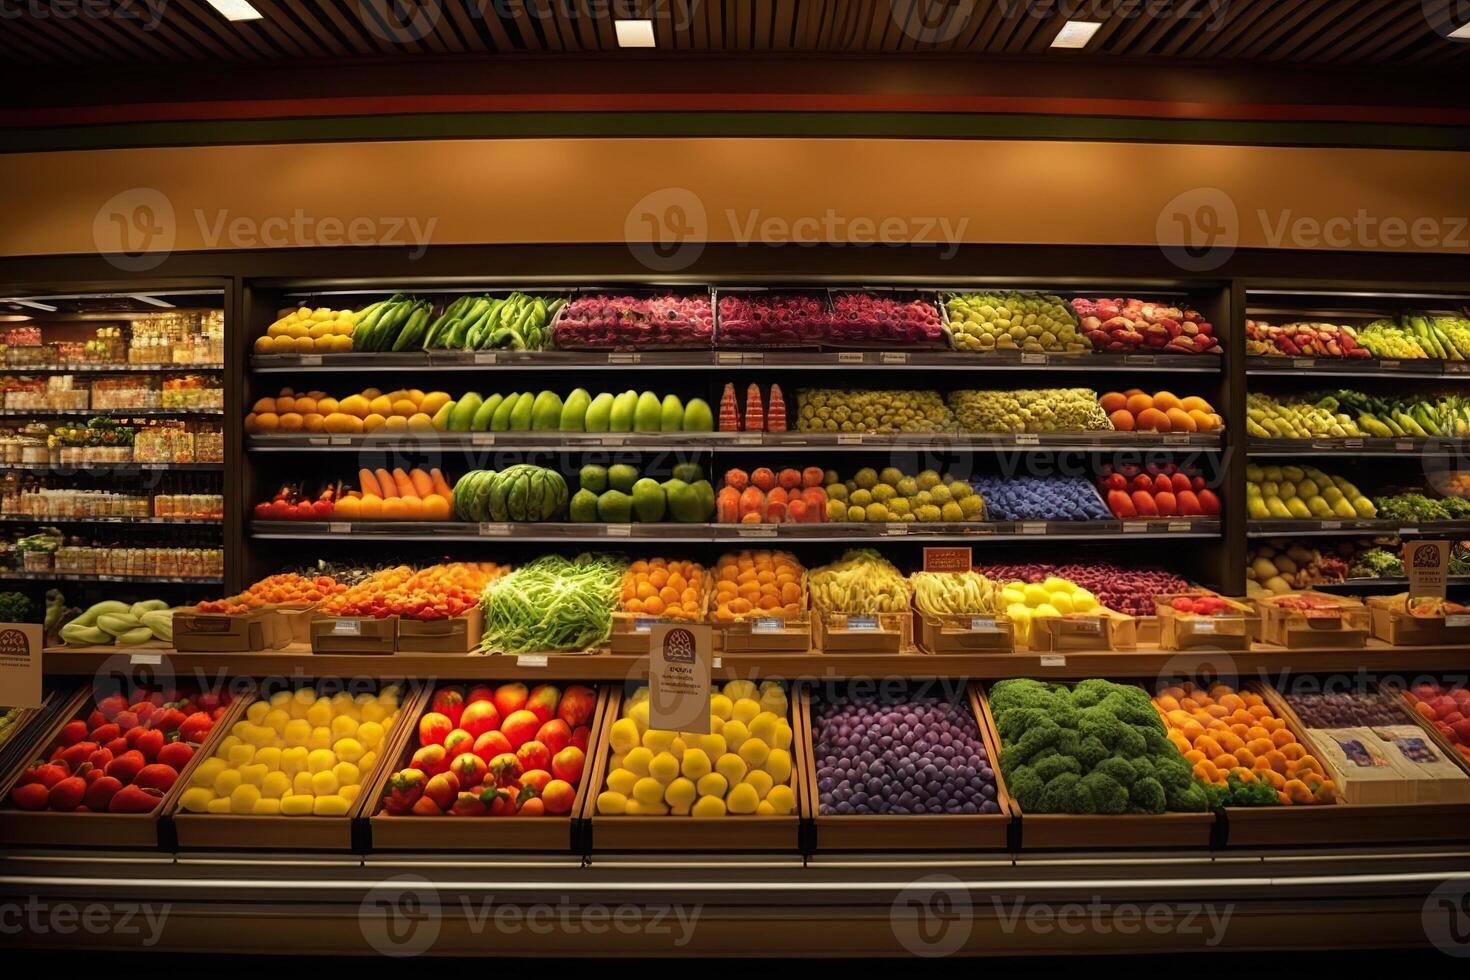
<point x="514" y="322"/>
<point x="112" y="622"/>
<point x="861" y="582"/>
<point x="1416" y="335"/>
<point x="955" y="593"/>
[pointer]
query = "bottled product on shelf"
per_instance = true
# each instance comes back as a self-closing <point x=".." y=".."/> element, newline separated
<point x="182" y="337"/>
<point x="26" y="497"/>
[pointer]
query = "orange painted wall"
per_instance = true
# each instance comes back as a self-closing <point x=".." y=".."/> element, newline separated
<point x="597" y="190"/>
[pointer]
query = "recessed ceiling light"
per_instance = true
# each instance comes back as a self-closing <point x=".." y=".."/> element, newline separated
<point x="1461" y="33"/>
<point x="236" y="9"/>
<point x="1075" y="34"/>
<point x="634" y="33"/>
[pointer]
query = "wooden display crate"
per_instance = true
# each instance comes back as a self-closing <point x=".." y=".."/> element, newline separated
<point x="671" y="834"/>
<point x="51" y="829"/>
<point x="414" y="833"/>
<point x="905" y="832"/>
<point x="1187" y="631"/>
<point x="762" y="635"/>
<point x="881" y="633"/>
<point x="249" y="831"/>
<point x="460" y="634"/>
<point x="1102" y="630"/>
<point x="1068" y="831"/>
<point x="354" y="634"/>
<point x="964" y="634"/>
<point x="1346" y="627"/>
<point x="633" y="632"/>
<point x="1393" y="624"/>
<point x="263" y="629"/>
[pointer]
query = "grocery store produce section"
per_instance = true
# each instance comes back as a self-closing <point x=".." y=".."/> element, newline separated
<point x="1002" y="570"/>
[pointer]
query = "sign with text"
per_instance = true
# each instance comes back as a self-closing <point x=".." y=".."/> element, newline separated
<point x="20" y="665"/>
<point x="1426" y="564"/>
<point x="947" y="559"/>
<point x="679" y="677"/>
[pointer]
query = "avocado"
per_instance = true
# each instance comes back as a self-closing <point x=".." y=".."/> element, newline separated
<point x="464" y="412"/>
<point x="621" y="476"/>
<point x="688" y="472"/>
<point x="599" y="413"/>
<point x="623" y="407"/>
<point x="671" y="414"/>
<point x="649" y="501"/>
<point x="546" y="412"/>
<point x="615" y="507"/>
<point x="574" y="411"/>
<point x="647" y="413"/>
<point x="583" y="507"/>
<point x="698" y="417"/>
<point x="706" y="494"/>
<point x="686" y="502"/>
<point x="486" y="412"/>
<point x="593" y="477"/>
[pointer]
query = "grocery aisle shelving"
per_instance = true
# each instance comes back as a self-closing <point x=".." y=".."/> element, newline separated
<point x="109" y="368"/>
<point x="1435" y="446"/>
<point x="1344" y="528"/>
<point x="184" y="521"/>
<point x="13" y="576"/>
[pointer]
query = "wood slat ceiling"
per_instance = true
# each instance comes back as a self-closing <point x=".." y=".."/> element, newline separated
<point x="1342" y="33"/>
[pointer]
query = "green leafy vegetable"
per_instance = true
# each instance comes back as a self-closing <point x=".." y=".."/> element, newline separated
<point x="553" y="604"/>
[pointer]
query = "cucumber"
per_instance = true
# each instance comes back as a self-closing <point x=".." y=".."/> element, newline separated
<point x="90" y="614"/>
<point x="413" y="331"/>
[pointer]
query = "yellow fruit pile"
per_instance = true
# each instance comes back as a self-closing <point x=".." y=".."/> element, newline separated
<point x="307" y="331"/>
<point x="404" y="410"/>
<point x="742" y="767"/>
<point x="296" y="754"/>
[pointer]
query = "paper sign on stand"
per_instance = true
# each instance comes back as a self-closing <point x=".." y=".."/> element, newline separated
<point x="679" y="677"/>
<point x="1426" y="564"/>
<point x="20" y="665"/>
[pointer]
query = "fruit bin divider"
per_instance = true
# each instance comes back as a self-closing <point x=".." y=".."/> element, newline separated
<point x="275" y="832"/>
<point x="451" y="833"/>
<point x="1084" y="831"/>
<point x="1368" y="823"/>
<point x="14" y="750"/>
<point x="46" y="827"/>
<point x="913" y="831"/>
<point x="683" y="834"/>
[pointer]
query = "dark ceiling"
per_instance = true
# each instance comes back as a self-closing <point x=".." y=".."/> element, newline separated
<point x="1343" y="33"/>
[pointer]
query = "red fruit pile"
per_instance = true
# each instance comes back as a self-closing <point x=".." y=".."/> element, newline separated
<point x="635" y="322"/>
<point x="1302" y="340"/>
<point x="290" y="503"/>
<point x="502" y="752"/>
<point x="863" y="318"/>
<point x="757" y="417"/>
<point x="1156" y="491"/>
<point x="123" y="757"/>
<point x="765" y="496"/>
<point x="1202" y="605"/>
<point x="1447" y="708"/>
<point x="1127" y="325"/>
<point x="771" y="319"/>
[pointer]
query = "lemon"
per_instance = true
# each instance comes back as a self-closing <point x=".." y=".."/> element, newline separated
<point x="610" y="803"/>
<point x="664" y="768"/>
<point x="680" y="794"/>
<point x="655" y="740"/>
<point x="347" y="774"/>
<point x="735" y="690"/>
<point x="782" y="799"/>
<point x="774" y="700"/>
<point x="254" y="774"/>
<point x="301" y="784"/>
<point x="720" y="706"/>
<point x="754" y="752"/>
<point x="297" y="805"/>
<point x="637" y="761"/>
<point x="735" y="733"/>
<point x="638" y="714"/>
<point x="320" y="760"/>
<point x="712" y="785"/>
<point x="712" y="745"/>
<point x="330" y="806"/>
<point x="321" y="738"/>
<point x="275" y="785"/>
<point x="241" y="755"/>
<point x="778" y="764"/>
<point x="370" y="734"/>
<point x="745" y="710"/>
<point x="648" y="791"/>
<point x="763" y="727"/>
<point x="296" y="732"/>
<point x="348" y="749"/>
<point x="349" y="793"/>
<point x="243" y="797"/>
<point x="708" y="806"/>
<point x="324" y="783"/>
<point x="219" y="805"/>
<point x="196" y="799"/>
<point x="207" y="772"/>
<point x="294" y="760"/>
<point x="227" y="782"/>
<point x="623" y="735"/>
<point x="280" y="699"/>
<point x="695" y="764"/>
<point x="343" y="726"/>
<point x="761" y="780"/>
<point x="764" y="809"/>
<point x="783" y="736"/>
<point x="731" y="766"/>
<point x="365" y="764"/>
<point x="270" y="757"/>
<point x="266" y="807"/>
<point x="256" y="713"/>
<point x="621" y="781"/>
<point x="742" y="799"/>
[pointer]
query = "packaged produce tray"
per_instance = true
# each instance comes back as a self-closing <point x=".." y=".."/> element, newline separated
<point x="474" y="833"/>
<point x="942" y="634"/>
<point x="1393" y="624"/>
<point x="1069" y="831"/>
<point x="671" y="833"/>
<point x="1342" y="624"/>
<point x="904" y="832"/>
<point x="460" y="634"/>
<point x="263" y="629"/>
<point x="250" y="831"/>
<point x="354" y="634"/>
<point x="879" y="633"/>
<point x="1190" y="631"/>
<point x="99" y="829"/>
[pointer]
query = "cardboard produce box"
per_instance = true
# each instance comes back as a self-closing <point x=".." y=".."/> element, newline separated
<point x="461" y="634"/>
<point x="354" y="634"/>
<point x="1184" y="630"/>
<point x="1391" y="764"/>
<point x="1439" y="623"/>
<point x="263" y="629"/>
<point x="951" y="633"/>
<point x="1101" y="630"/>
<point x="1334" y="621"/>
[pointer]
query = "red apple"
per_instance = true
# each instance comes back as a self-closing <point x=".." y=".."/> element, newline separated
<point x="533" y="755"/>
<point x="458" y="741"/>
<point x="581" y="735"/>
<point x="491" y="744"/>
<point x="558" y="796"/>
<point x="480" y="692"/>
<point x="520" y="727"/>
<point x="555" y="735"/>
<point x="469" y="768"/>
<point x="568" y="763"/>
<point x="577" y="704"/>
<point x="442" y="788"/>
<point x="431" y="759"/>
<point x="510" y="698"/>
<point x="479" y="718"/>
<point x="543" y="700"/>
<point x="433" y="728"/>
<point x="448" y="701"/>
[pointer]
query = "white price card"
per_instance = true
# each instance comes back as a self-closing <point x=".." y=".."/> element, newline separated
<point x="1053" y="660"/>
<point x="1204" y="626"/>
<point x="339" y="440"/>
<point x="339" y="527"/>
<point x="482" y="438"/>
<point x="1031" y="357"/>
<point x="347" y="627"/>
<point x="1033" y="527"/>
<point x="531" y="660"/>
<point x="310" y="360"/>
<point x="891" y="357"/>
<point x="983" y="624"/>
<point x="862" y="623"/>
<point x="485" y="357"/>
<point x="850" y="357"/>
<point x="494" y="530"/>
<point x="145" y="660"/>
<point x="768" y="624"/>
<point x="1028" y="439"/>
<point x="619" y="530"/>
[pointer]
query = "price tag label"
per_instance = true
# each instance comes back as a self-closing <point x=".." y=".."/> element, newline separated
<point x="494" y="530"/>
<point x="1391" y="365"/>
<point x="145" y="660"/>
<point x="747" y="439"/>
<point x="728" y="357"/>
<point x="1304" y="363"/>
<point x="948" y="559"/>
<point x="888" y="357"/>
<point x="1053" y="660"/>
<point x="1353" y="443"/>
<point x="310" y="360"/>
<point x="1204" y="626"/>
<point x="1031" y="357"/>
<point x="318" y="441"/>
<point x="1179" y="527"/>
<point x="895" y="529"/>
<point x="755" y="357"/>
<point x="339" y="440"/>
<point x="339" y="527"/>
<point x="755" y="530"/>
<point x="1176" y="438"/>
<point x="716" y="663"/>
<point x="644" y="624"/>
<point x="531" y="660"/>
<point x="678" y="677"/>
<point x="849" y="439"/>
<point x="1426" y="564"/>
<point x="1408" y="530"/>
<point x="619" y="530"/>
<point x="768" y="624"/>
<point x="1091" y="625"/>
<point x="1457" y="620"/>
<point x="1139" y="359"/>
<point x="850" y="357"/>
<point x="622" y="358"/>
<point x="1033" y="527"/>
<point x="1135" y="527"/>
<point x="613" y="440"/>
<point x="862" y="623"/>
<point x="983" y="624"/>
<point x="347" y="627"/>
<point x="1331" y="525"/>
<point x="485" y="357"/>
<point x="1028" y="439"/>
<point x="482" y="438"/>
<point x="1404" y="445"/>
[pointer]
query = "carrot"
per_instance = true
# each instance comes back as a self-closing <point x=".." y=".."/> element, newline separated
<point x="386" y="484"/>
<point x="422" y="485"/>
<point x="403" y="483"/>
<point x="369" y="482"/>
<point x="441" y="486"/>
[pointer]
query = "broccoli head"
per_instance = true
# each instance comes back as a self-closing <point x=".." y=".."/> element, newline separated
<point x="1130" y="742"/>
<point x="1087" y="693"/>
<point x="1054" y="765"/>
<point x="1019" y="692"/>
<point x="1060" y="795"/>
<point x="1117" y="768"/>
<point x="1090" y="752"/>
<point x="1101" y="724"/>
<point x="1013" y="724"/>
<point x="1190" y="799"/>
<point x="1038" y="737"/>
<point x="1155" y="742"/>
<point x="1172" y="771"/>
<point x="1257" y="793"/>
<point x="1107" y="794"/>
<point x="1025" y="786"/>
<point x="1146" y="796"/>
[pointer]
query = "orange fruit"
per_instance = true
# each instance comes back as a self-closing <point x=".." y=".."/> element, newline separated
<point x="1139" y="403"/>
<point x="348" y="508"/>
<point x="1113" y="401"/>
<point x="1166" y="400"/>
<point x="1180" y="420"/>
<point x="1203" y="421"/>
<point x="265" y="405"/>
<point x="393" y="509"/>
<point x="1194" y="403"/>
<point x="267" y="421"/>
<point x="371" y="507"/>
<point x="1153" y="420"/>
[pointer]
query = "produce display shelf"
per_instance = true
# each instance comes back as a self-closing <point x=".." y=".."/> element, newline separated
<point x="764" y="441"/>
<point x="1146" y="661"/>
<point x="130" y="413"/>
<point x="994" y="530"/>
<point x="1369" y="367"/>
<point x="186" y="521"/>
<point x="1385" y="582"/>
<point x="65" y="468"/>
<point x="1434" y="446"/>
<point x="15" y="576"/>
<point x="1320" y="528"/>
<point x="108" y="368"/>
<point x="793" y="360"/>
